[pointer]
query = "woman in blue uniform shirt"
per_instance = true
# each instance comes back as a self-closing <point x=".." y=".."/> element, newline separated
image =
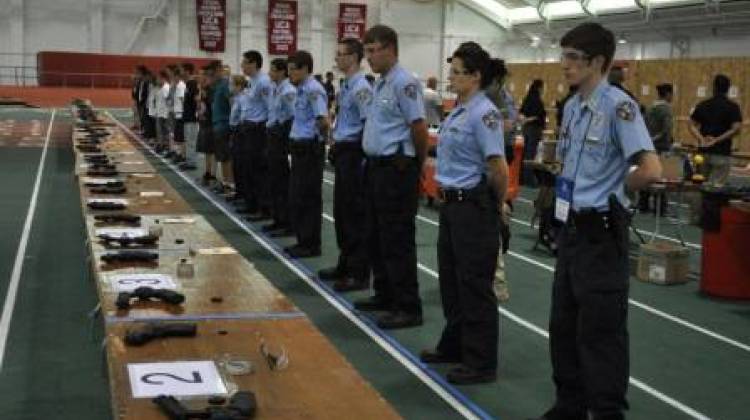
<point x="472" y="174"/>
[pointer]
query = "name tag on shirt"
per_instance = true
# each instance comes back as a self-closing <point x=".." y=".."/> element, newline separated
<point x="564" y="198"/>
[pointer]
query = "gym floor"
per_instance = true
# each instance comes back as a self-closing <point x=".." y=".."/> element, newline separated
<point x="690" y="354"/>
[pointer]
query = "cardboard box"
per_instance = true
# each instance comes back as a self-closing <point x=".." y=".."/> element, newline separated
<point x="663" y="262"/>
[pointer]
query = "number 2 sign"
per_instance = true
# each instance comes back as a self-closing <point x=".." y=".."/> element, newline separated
<point x="130" y="282"/>
<point x="175" y="378"/>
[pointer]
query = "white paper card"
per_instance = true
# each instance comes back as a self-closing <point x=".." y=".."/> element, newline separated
<point x="142" y="175"/>
<point x="84" y="165"/>
<point x="223" y="250"/>
<point x="734" y="91"/>
<point x="123" y="201"/>
<point x="176" y="378"/>
<point x="179" y="220"/>
<point x="701" y="92"/>
<point x="99" y="181"/>
<point x="133" y="162"/>
<point x="152" y="194"/>
<point x="562" y="208"/>
<point x="122" y="232"/>
<point x="130" y="282"/>
<point x="657" y="273"/>
<point x="645" y="90"/>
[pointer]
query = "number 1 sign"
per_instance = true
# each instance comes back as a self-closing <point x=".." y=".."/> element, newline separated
<point x="175" y="378"/>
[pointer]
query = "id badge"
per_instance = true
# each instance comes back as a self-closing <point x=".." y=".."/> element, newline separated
<point x="563" y="198"/>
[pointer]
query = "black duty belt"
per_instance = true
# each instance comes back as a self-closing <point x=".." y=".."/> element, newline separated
<point x="457" y="195"/>
<point x="389" y="160"/>
<point x="299" y="146"/>
<point x="589" y="219"/>
<point x="253" y="125"/>
<point x="348" y="145"/>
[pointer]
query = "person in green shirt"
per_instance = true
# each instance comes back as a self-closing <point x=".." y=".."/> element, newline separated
<point x="659" y="121"/>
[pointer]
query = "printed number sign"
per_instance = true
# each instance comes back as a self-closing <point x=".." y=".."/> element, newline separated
<point x="149" y="380"/>
<point x="130" y="282"/>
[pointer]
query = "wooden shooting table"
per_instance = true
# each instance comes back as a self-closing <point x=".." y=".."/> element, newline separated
<point x="317" y="384"/>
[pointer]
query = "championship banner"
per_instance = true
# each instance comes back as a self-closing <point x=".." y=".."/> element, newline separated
<point x="212" y="24"/>
<point x="352" y="20"/>
<point x="282" y="27"/>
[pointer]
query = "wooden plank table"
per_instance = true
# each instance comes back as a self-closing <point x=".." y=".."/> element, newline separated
<point x="318" y="383"/>
<point x="222" y="286"/>
<point x="177" y="230"/>
<point x="138" y="188"/>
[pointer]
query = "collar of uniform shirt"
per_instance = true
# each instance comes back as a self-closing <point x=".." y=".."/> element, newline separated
<point x="351" y="79"/>
<point x="593" y="99"/>
<point x="388" y="76"/>
<point x="465" y="105"/>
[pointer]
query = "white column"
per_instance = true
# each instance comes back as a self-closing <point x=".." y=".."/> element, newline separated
<point x="316" y="32"/>
<point x="96" y="26"/>
<point x="16" y="19"/>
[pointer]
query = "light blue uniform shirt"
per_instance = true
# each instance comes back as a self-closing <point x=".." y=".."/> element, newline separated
<point x="258" y="94"/>
<point x="354" y="98"/>
<point x="311" y="103"/>
<point x="598" y="138"/>
<point x="281" y="107"/>
<point x="240" y="102"/>
<point x="397" y="103"/>
<point x="472" y="133"/>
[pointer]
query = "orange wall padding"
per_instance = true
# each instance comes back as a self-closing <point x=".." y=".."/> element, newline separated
<point x="50" y="97"/>
<point x="58" y="68"/>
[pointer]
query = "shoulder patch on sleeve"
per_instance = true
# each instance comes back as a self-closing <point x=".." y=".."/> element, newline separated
<point x="363" y="96"/>
<point x="626" y="111"/>
<point x="410" y="90"/>
<point x="491" y="119"/>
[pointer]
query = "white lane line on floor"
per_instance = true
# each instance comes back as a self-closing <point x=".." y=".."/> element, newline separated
<point x="641" y="231"/>
<point x="640" y="305"/>
<point x="540" y="331"/>
<point x="411" y="366"/>
<point x="15" y="275"/>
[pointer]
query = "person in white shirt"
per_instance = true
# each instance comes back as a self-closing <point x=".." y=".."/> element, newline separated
<point x="433" y="103"/>
<point x="178" y="107"/>
<point x="150" y="129"/>
<point x="162" y="113"/>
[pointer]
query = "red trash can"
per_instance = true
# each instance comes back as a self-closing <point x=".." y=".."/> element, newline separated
<point x="726" y="257"/>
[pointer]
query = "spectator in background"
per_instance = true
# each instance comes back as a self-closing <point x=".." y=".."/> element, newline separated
<point x="659" y="121"/>
<point x="715" y="122"/>
<point x="134" y="90"/>
<point x="162" y="113"/>
<point x="560" y="105"/>
<point x="220" y="109"/>
<point x="189" y="116"/>
<point x="534" y="118"/>
<point x="616" y="78"/>
<point x="330" y="89"/>
<point x="141" y="100"/>
<point x="433" y="103"/>
<point x="178" y="128"/>
<point x="149" y="130"/>
<point x="205" y="127"/>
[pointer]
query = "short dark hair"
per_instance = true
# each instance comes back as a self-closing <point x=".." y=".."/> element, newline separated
<point x="301" y="59"/>
<point x="354" y="46"/>
<point x="592" y="39"/>
<point x="476" y="59"/>
<point x="213" y="66"/>
<point x="163" y="74"/>
<point x="279" y="64"/>
<point x="721" y="84"/>
<point x="141" y="69"/>
<point x="188" y="67"/>
<point x="664" y="89"/>
<point x="385" y="35"/>
<point x="253" y="56"/>
<point x="536" y="86"/>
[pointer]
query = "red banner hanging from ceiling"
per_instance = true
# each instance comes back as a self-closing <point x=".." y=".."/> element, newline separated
<point x="282" y="27"/>
<point x="212" y="24"/>
<point x="352" y="20"/>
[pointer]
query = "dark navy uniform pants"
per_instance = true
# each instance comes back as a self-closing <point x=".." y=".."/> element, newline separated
<point x="588" y="326"/>
<point x="468" y="245"/>
<point x="278" y="171"/>
<point x="349" y="209"/>
<point x="391" y="188"/>
<point x="305" y="195"/>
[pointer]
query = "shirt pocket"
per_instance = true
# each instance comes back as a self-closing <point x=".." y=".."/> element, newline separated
<point x="595" y="147"/>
